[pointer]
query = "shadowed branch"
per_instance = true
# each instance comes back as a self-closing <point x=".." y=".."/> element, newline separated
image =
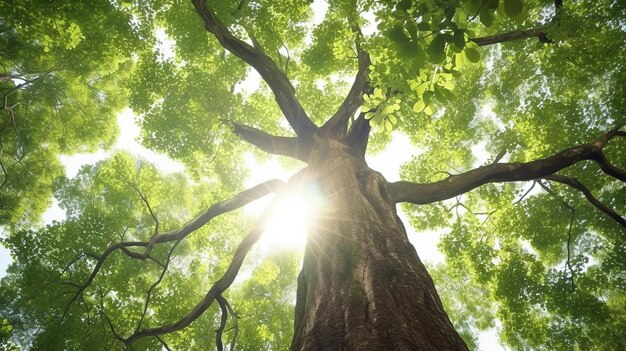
<point x="216" y="290"/>
<point x="277" y="145"/>
<point x="576" y="184"/>
<point x="452" y="186"/>
<point x="218" y="333"/>
<point x="512" y="36"/>
<point x="358" y="133"/>
<point x="215" y="210"/>
<point x="270" y="72"/>
<point x="337" y="124"/>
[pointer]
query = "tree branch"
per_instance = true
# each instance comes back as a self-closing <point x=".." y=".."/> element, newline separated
<point x="164" y="344"/>
<point x="265" y="66"/>
<point x="156" y="283"/>
<point x="235" y="327"/>
<point x="215" y="210"/>
<point x="337" y="124"/>
<point x="568" y="262"/>
<point x="452" y="186"/>
<point x="576" y="184"/>
<point x="217" y="289"/>
<point x="286" y="146"/>
<point x="358" y="135"/>
<point x="512" y="36"/>
<point x="218" y="333"/>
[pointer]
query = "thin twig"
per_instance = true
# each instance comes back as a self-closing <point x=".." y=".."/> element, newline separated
<point x="568" y="262"/>
<point x="576" y="184"/>
<point x="165" y="345"/>
<point x="156" y="283"/>
<point x="217" y="288"/>
<point x="525" y="194"/>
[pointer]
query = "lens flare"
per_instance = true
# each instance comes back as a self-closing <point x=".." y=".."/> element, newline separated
<point x="287" y="226"/>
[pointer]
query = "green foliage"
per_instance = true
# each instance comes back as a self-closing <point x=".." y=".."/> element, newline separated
<point x="512" y="261"/>
<point x="381" y="109"/>
<point x="61" y="75"/>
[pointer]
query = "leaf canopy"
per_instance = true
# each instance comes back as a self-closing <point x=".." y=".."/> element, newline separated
<point x="535" y="260"/>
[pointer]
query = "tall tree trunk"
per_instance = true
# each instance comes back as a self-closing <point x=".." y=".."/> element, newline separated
<point x="362" y="285"/>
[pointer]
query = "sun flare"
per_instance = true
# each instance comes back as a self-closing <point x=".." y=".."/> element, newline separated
<point x="290" y="217"/>
<point x="288" y="221"/>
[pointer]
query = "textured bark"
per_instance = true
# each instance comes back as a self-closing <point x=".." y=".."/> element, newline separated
<point x="362" y="285"/>
<point x="512" y="36"/>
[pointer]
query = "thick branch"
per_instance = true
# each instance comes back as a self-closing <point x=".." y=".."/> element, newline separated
<point x="512" y="36"/>
<point x="216" y="290"/>
<point x="576" y="184"/>
<point x="358" y="135"/>
<point x="265" y="66"/>
<point x="277" y="145"/>
<point x="337" y="124"/>
<point x="404" y="191"/>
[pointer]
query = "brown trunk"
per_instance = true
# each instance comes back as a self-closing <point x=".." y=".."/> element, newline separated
<point x="362" y="286"/>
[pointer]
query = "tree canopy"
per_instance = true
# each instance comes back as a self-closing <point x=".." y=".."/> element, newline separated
<point x="533" y="237"/>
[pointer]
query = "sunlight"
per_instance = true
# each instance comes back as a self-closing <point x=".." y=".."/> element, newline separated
<point x="288" y="221"/>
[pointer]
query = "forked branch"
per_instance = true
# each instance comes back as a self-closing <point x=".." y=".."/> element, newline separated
<point x="215" y="210"/>
<point x="576" y="184"/>
<point x="216" y="290"/>
<point x="337" y="124"/>
<point x="270" y="72"/>
<point x="454" y="185"/>
<point x="358" y="134"/>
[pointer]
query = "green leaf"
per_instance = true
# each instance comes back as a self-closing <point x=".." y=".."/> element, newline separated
<point x="472" y="54"/>
<point x="440" y="95"/>
<point x="436" y="49"/>
<point x="429" y="109"/>
<point x="492" y="4"/>
<point x="379" y="93"/>
<point x="513" y="8"/>
<point x="419" y="106"/>
<point x="486" y="17"/>
<point x="424" y="26"/>
<point x="396" y="34"/>
<point x="459" y="60"/>
<point x="404" y="5"/>
<point x="388" y="125"/>
<point x="458" y="39"/>
<point x="471" y="7"/>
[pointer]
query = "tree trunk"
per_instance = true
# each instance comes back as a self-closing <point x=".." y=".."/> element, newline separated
<point x="362" y="285"/>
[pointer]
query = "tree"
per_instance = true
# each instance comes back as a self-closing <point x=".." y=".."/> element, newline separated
<point x="539" y="85"/>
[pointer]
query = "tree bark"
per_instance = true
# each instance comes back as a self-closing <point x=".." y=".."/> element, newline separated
<point x="362" y="285"/>
<point x="512" y="36"/>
